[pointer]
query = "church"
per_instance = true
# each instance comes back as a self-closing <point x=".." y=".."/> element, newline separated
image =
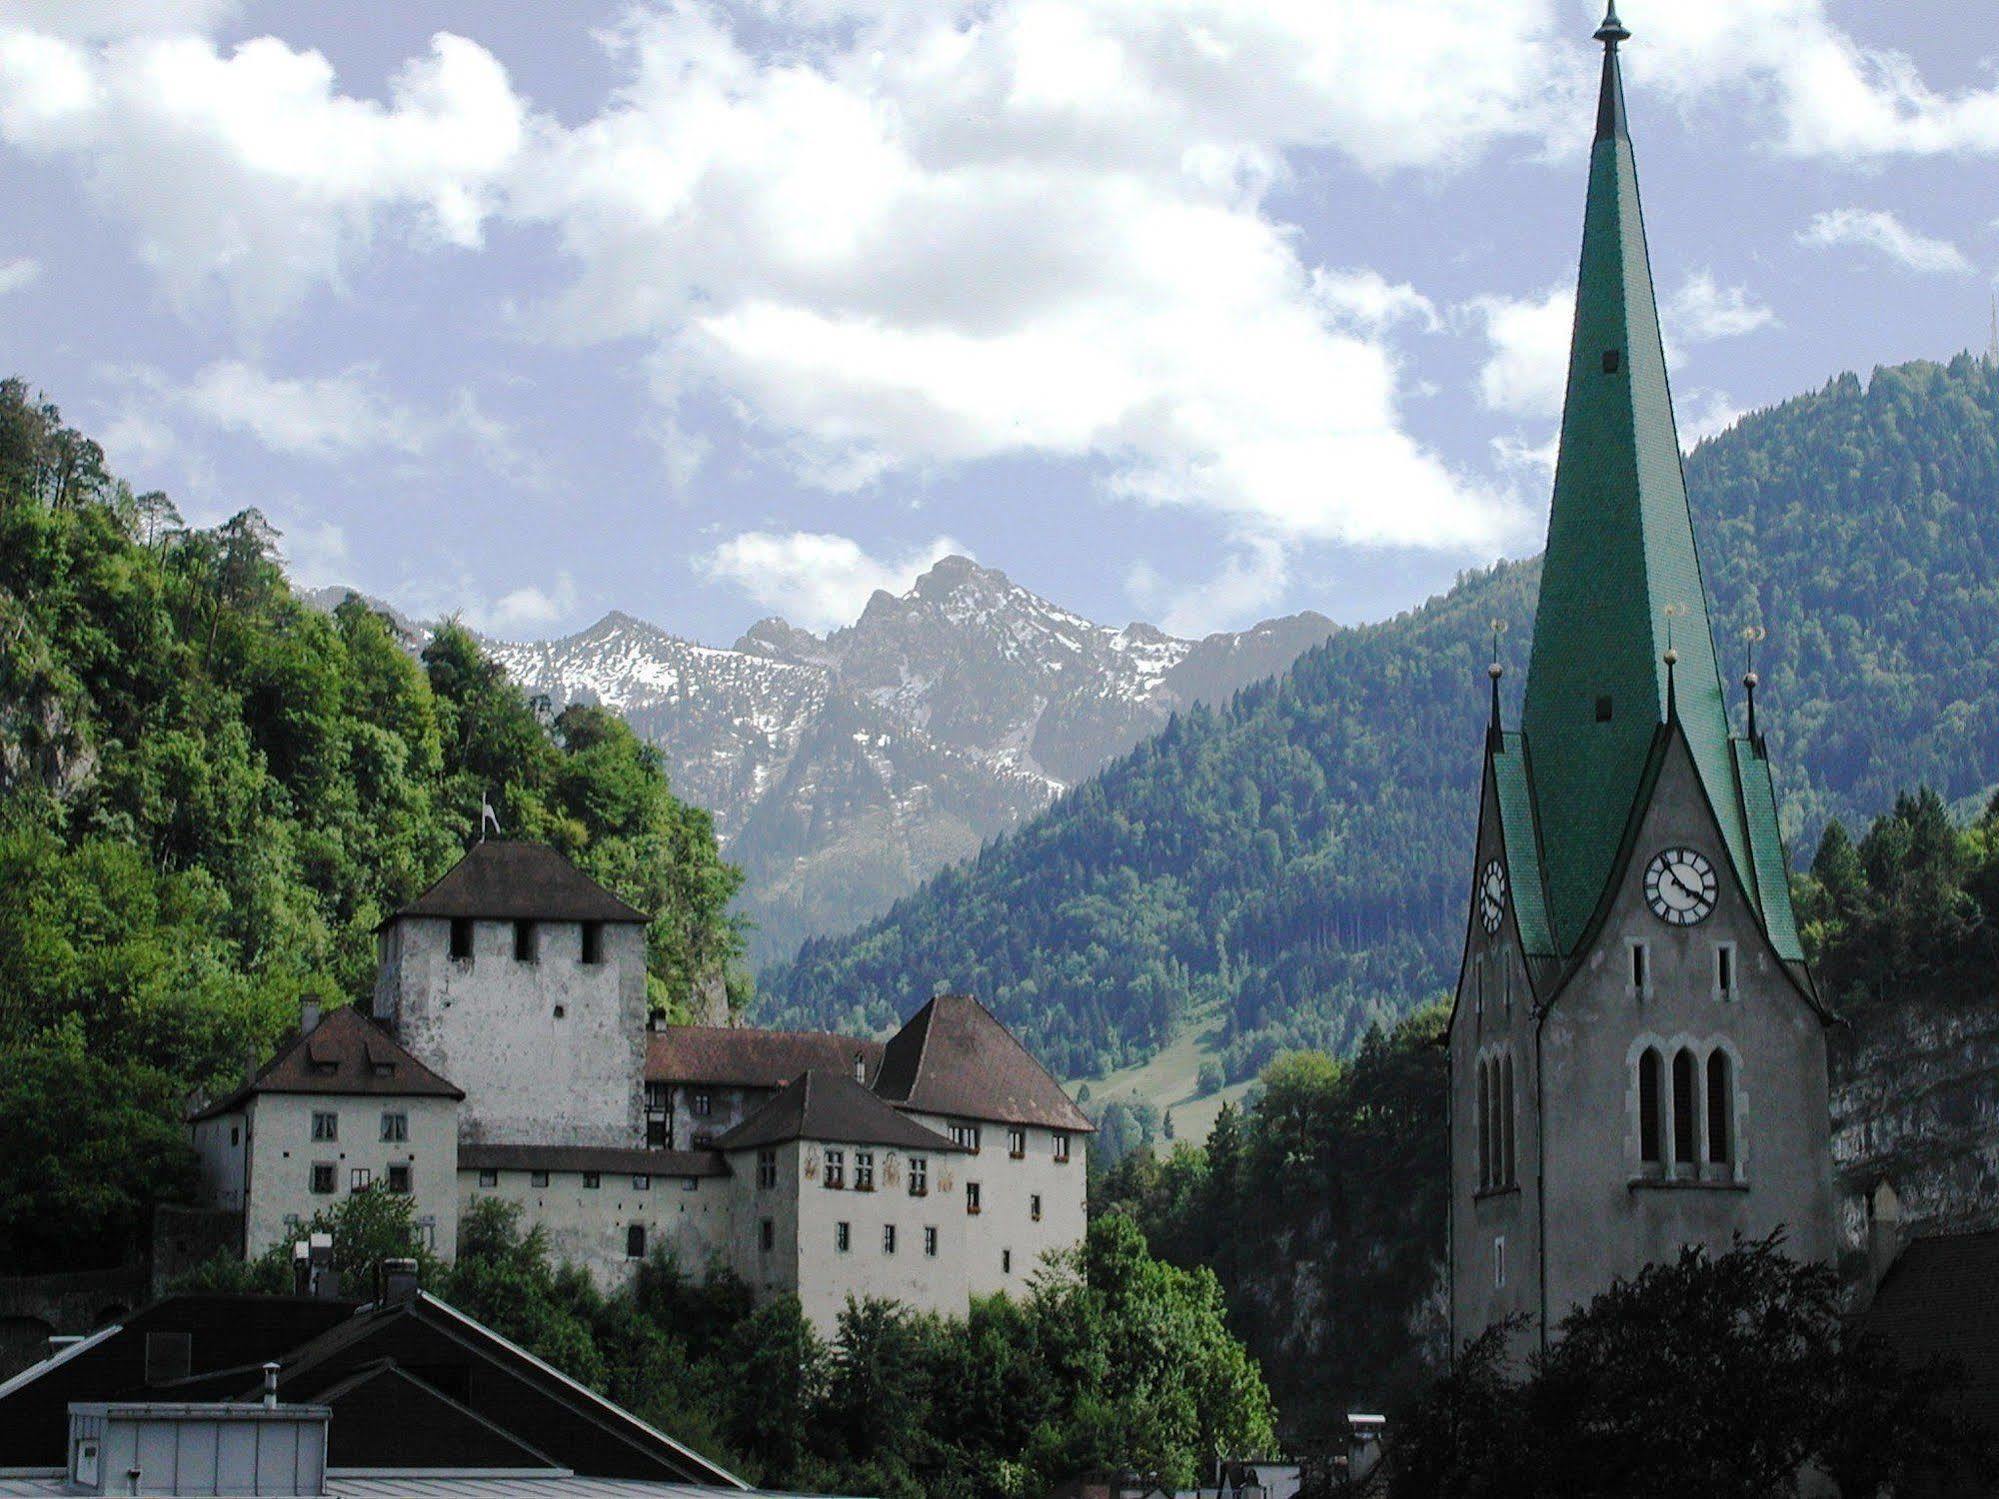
<point x="1637" y="1048"/>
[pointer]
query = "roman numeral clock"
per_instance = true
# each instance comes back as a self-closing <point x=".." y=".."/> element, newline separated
<point x="1680" y="886"/>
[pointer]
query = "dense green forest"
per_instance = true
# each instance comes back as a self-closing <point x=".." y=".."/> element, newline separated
<point x="211" y="793"/>
<point x="1111" y="1358"/>
<point x="1301" y="856"/>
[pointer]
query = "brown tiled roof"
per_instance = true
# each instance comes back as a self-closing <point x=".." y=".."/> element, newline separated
<point x="830" y="1106"/>
<point x="1941" y="1299"/>
<point x="509" y="881"/>
<point x="953" y="1057"/>
<point x="476" y="1157"/>
<point x="346" y="1053"/>
<point x="745" y="1058"/>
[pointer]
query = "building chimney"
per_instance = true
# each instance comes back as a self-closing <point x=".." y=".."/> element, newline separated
<point x="308" y="1015"/>
<point x="1885" y="1235"/>
<point x="395" y="1280"/>
<point x="270" y="1387"/>
<point x="861" y="1068"/>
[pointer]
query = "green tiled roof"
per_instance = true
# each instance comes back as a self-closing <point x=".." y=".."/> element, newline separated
<point x="1620" y="557"/>
<point x="1766" y="843"/>
<point x="1523" y="846"/>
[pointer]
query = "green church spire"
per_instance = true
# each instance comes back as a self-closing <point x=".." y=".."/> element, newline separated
<point x="1620" y="562"/>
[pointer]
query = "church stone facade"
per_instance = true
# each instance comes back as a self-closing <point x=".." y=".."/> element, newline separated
<point x="509" y="1057"/>
<point x="1637" y="1050"/>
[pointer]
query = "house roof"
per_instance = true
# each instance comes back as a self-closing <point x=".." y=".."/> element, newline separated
<point x="513" y="881"/>
<point x="1937" y="1301"/>
<point x="1522" y="844"/>
<point x="742" y="1057"/>
<point x="832" y="1107"/>
<point x="345" y="1054"/>
<point x="953" y="1057"/>
<point x="477" y="1157"/>
<point x="1622" y="579"/>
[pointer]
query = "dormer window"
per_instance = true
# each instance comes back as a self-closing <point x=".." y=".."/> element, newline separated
<point x="593" y="941"/>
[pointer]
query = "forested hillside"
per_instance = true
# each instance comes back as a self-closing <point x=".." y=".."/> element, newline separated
<point x="209" y="795"/>
<point x="1301" y="856"/>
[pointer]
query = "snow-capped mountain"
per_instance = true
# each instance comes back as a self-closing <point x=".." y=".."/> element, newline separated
<point x="843" y="770"/>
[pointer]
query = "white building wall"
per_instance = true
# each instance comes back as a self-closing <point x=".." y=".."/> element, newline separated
<point x="1004" y="1241"/>
<point x="550" y="1051"/>
<point x="281" y="1154"/>
<point x="693" y="1217"/>
<point x="773" y="1271"/>
<point x="827" y="1276"/>
<point x="220" y="1145"/>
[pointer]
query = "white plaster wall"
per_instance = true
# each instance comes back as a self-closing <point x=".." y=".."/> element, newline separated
<point x="827" y="1277"/>
<point x="282" y="1151"/>
<point x="774" y="1271"/>
<point x="727" y="1107"/>
<point x="586" y="1225"/>
<point x="489" y="1023"/>
<point x="1007" y="1188"/>
<point x="222" y="1159"/>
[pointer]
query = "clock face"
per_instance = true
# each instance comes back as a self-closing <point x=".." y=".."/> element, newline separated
<point x="1492" y="895"/>
<point x="1679" y="886"/>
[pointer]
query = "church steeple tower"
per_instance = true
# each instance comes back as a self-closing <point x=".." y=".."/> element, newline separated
<point x="1620" y="555"/>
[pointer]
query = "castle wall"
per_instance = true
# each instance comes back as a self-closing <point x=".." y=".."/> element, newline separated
<point x="549" y="1051"/>
<point x="827" y="1276"/>
<point x="1004" y="1242"/>
<point x="692" y="1217"/>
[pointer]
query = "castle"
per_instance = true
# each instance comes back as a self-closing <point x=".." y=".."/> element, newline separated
<point x="1637" y="1049"/>
<point x="509" y="1056"/>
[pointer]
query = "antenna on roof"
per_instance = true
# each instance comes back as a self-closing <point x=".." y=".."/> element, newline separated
<point x="487" y="818"/>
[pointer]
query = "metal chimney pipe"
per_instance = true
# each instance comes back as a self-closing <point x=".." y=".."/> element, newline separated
<point x="270" y="1387"/>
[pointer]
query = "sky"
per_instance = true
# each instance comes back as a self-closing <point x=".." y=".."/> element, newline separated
<point x="1190" y="311"/>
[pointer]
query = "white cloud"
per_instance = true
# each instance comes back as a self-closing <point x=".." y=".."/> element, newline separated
<point x="1526" y="372"/>
<point x="314" y="417"/>
<point x="1251" y="580"/>
<point x="1366" y="299"/>
<point x="1702" y="310"/>
<point x="94" y="20"/>
<point x="1704" y="414"/>
<point x="248" y="170"/>
<point x="1879" y="229"/>
<point x="814" y="579"/>
<point x="18" y="273"/>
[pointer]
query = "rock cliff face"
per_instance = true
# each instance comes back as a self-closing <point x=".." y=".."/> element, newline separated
<point x="1915" y="1099"/>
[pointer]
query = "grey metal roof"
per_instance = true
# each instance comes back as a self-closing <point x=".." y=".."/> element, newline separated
<point x="369" y="1483"/>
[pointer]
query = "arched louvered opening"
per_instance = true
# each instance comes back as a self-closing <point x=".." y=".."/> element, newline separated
<point x="1507" y="1174"/>
<point x="1484" y="1123"/>
<point x="1686" y="1108"/>
<point x="1720" y="1109"/>
<point x="1651" y="1136"/>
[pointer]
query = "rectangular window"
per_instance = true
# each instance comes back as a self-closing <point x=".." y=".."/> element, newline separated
<point x="766" y="1234"/>
<point x="235" y="1134"/>
<point x="930" y="1242"/>
<point x="1061" y="1145"/>
<point x="836" y="1169"/>
<point x="325" y="1176"/>
<point x="399" y="1178"/>
<point x="635" y="1241"/>
<point x="843" y="1237"/>
<point x="864" y="1171"/>
<point x="919" y="1176"/>
<point x="972" y="1198"/>
<point x="360" y="1179"/>
<point x="1006" y="1262"/>
<point x="592" y="1181"/>
<point x="1724" y="970"/>
<point x="1603" y="710"/>
<point x="655" y="1134"/>
<point x="1499" y="1262"/>
<point x="1478" y="984"/>
<point x="524" y="942"/>
<point x="593" y="941"/>
<point x="489" y="1178"/>
<point x="766" y="1169"/>
<point x="326" y="1126"/>
<point x="702" y="1104"/>
<point x="642" y="1181"/>
<point x="690" y="1184"/>
<point x="966" y="1137"/>
<point x="426" y="1231"/>
<point x="461" y="938"/>
<point x="888" y="1238"/>
<point x="537" y="1178"/>
<point x="1016" y="1141"/>
<point x="656" y="1098"/>
<point x="396" y="1128"/>
<point x="1034" y="1207"/>
<point x="1641" y="968"/>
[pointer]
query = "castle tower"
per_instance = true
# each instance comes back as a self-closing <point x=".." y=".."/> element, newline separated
<point x="524" y="981"/>
<point x="1637" y="1050"/>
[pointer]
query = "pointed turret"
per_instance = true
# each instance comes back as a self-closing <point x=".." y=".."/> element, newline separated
<point x="1620" y="557"/>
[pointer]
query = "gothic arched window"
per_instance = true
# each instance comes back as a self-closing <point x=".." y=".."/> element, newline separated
<point x="1651" y="1140"/>
<point x="1686" y="1107"/>
<point x="1720" y="1108"/>
<point x="1484" y="1123"/>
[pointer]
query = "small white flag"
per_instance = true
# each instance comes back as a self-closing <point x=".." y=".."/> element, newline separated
<point x="488" y="818"/>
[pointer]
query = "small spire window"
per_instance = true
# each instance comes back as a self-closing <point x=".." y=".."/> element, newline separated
<point x="1613" y="361"/>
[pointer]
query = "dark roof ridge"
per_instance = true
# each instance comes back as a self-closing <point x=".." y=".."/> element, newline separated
<point x="517" y="879"/>
<point x="422" y="1081"/>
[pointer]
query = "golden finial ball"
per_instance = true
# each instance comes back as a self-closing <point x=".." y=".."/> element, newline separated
<point x="1495" y="671"/>
<point x="1750" y="680"/>
<point x="1672" y="657"/>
